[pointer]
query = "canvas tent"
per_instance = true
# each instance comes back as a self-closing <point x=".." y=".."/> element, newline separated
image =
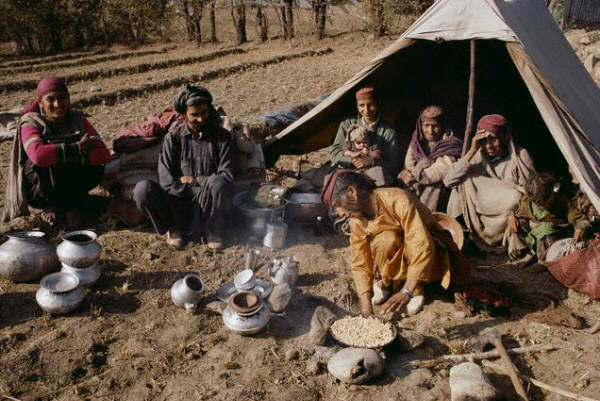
<point x="526" y="70"/>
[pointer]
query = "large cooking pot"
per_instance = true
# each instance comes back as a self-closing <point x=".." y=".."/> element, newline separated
<point x="304" y="206"/>
<point x="255" y="217"/>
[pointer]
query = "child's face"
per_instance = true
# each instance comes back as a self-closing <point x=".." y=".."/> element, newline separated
<point x="360" y="145"/>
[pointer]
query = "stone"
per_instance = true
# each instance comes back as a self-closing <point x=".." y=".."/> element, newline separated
<point x="280" y="297"/>
<point x="409" y="339"/>
<point x="469" y="383"/>
<point x="95" y="89"/>
<point x="585" y="40"/>
<point x="418" y="378"/>
<point x="355" y="365"/>
<point x="291" y="354"/>
<point x="320" y="322"/>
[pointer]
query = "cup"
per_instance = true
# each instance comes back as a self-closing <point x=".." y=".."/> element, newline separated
<point x="245" y="280"/>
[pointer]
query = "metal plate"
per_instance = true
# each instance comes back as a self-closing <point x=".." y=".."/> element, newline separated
<point x="263" y="289"/>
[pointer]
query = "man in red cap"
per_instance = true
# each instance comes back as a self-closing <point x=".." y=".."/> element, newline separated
<point x="382" y="135"/>
<point x="488" y="183"/>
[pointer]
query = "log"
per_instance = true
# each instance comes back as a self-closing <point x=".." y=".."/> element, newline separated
<point x="471" y="102"/>
<point x="480" y="355"/>
<point x="565" y="393"/>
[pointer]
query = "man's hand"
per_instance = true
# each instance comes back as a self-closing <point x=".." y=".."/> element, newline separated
<point x="186" y="179"/>
<point x="358" y="162"/>
<point x="85" y="143"/>
<point x="513" y="224"/>
<point x="366" y="307"/>
<point x="406" y="177"/>
<point x="395" y="303"/>
<point x="480" y="135"/>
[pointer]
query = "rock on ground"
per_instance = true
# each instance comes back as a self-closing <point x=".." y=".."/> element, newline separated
<point x="355" y="365"/>
<point x="469" y="383"/>
<point x="322" y="319"/>
<point x="280" y="297"/>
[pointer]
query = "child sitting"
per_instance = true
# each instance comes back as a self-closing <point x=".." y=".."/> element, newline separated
<point x="358" y="145"/>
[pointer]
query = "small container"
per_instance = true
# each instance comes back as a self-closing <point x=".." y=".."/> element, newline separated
<point x="245" y="280"/>
<point x="79" y="249"/>
<point x="26" y="256"/>
<point x="87" y="275"/>
<point x="187" y="292"/>
<point x="319" y="226"/>
<point x="59" y="293"/>
<point x="275" y="236"/>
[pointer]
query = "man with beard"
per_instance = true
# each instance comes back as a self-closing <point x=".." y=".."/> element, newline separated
<point x="195" y="171"/>
<point x="393" y="235"/>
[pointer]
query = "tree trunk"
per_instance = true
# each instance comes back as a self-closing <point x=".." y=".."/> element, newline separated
<point x="377" y="17"/>
<point x="196" y="19"/>
<point x="188" y="21"/>
<point x="567" y="11"/>
<point x="289" y="18"/>
<point x="262" y="25"/>
<point x="320" y="11"/>
<point x="213" y="24"/>
<point x="238" y="15"/>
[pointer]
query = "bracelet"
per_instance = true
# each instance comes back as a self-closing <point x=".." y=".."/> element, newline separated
<point x="407" y="293"/>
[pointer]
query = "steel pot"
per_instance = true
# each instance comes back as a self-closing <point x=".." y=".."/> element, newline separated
<point x="87" y="276"/>
<point x="304" y="207"/>
<point x="187" y="292"/>
<point x="284" y="270"/>
<point x="79" y="249"/>
<point x="246" y="314"/>
<point x="27" y="255"/>
<point x="59" y="293"/>
<point x="255" y="218"/>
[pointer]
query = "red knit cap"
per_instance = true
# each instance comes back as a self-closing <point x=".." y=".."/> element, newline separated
<point x="366" y="92"/>
<point x="50" y="84"/>
<point x="330" y="185"/>
<point x="494" y="123"/>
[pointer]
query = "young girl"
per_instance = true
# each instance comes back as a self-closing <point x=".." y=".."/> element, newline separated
<point x="358" y="144"/>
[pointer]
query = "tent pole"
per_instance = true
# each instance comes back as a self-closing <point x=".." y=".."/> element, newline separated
<point x="470" y="105"/>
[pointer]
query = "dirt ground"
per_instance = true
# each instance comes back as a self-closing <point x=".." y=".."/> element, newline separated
<point x="127" y="341"/>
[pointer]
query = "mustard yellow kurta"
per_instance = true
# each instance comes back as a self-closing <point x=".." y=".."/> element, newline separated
<point x="403" y="245"/>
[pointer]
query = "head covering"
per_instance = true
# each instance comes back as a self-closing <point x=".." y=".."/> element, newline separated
<point x="46" y="85"/>
<point x="366" y="92"/>
<point x="449" y="145"/>
<point x="494" y="123"/>
<point x="192" y="96"/>
<point x="358" y="133"/>
<point x="327" y="193"/>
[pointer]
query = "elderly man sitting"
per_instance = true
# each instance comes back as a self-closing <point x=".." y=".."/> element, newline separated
<point x="195" y="171"/>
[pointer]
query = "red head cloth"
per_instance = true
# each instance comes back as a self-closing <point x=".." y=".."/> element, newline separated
<point x="494" y="123"/>
<point x="45" y="86"/>
<point x="366" y="92"/>
<point x="330" y="185"/>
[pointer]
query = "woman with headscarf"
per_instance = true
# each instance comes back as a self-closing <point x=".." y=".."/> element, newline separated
<point x="488" y="183"/>
<point x="433" y="148"/>
<point x="195" y="171"/>
<point x="57" y="157"/>
<point x="395" y="235"/>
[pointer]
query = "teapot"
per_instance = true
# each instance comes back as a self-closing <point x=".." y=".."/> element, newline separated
<point x="284" y="270"/>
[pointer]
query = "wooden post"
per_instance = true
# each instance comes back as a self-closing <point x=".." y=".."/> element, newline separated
<point x="566" y="14"/>
<point x="470" y="104"/>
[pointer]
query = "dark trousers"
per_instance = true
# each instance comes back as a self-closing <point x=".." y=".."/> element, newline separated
<point x="63" y="186"/>
<point x="206" y="210"/>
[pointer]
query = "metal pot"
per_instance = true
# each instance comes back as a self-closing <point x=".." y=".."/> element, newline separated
<point x="87" y="276"/>
<point x="284" y="270"/>
<point x="275" y="236"/>
<point x="187" y="292"/>
<point x="246" y="319"/>
<point x="255" y="218"/>
<point x="304" y="207"/>
<point x="79" y="249"/>
<point x="59" y="293"/>
<point x="27" y="255"/>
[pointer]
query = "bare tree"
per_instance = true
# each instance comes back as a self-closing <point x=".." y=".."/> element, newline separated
<point x="213" y="25"/>
<point x="238" y="15"/>
<point x="289" y="18"/>
<point x="320" y="13"/>
<point x="262" y="24"/>
<point x="376" y="11"/>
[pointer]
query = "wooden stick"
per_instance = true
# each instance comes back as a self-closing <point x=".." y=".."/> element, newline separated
<point x="471" y="102"/>
<point x="9" y="397"/>
<point x="538" y="383"/>
<point x="510" y="367"/>
<point x="480" y="355"/>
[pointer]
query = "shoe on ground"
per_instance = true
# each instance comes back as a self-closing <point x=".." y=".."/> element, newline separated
<point x="415" y="305"/>
<point x="175" y="238"/>
<point x="380" y="293"/>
